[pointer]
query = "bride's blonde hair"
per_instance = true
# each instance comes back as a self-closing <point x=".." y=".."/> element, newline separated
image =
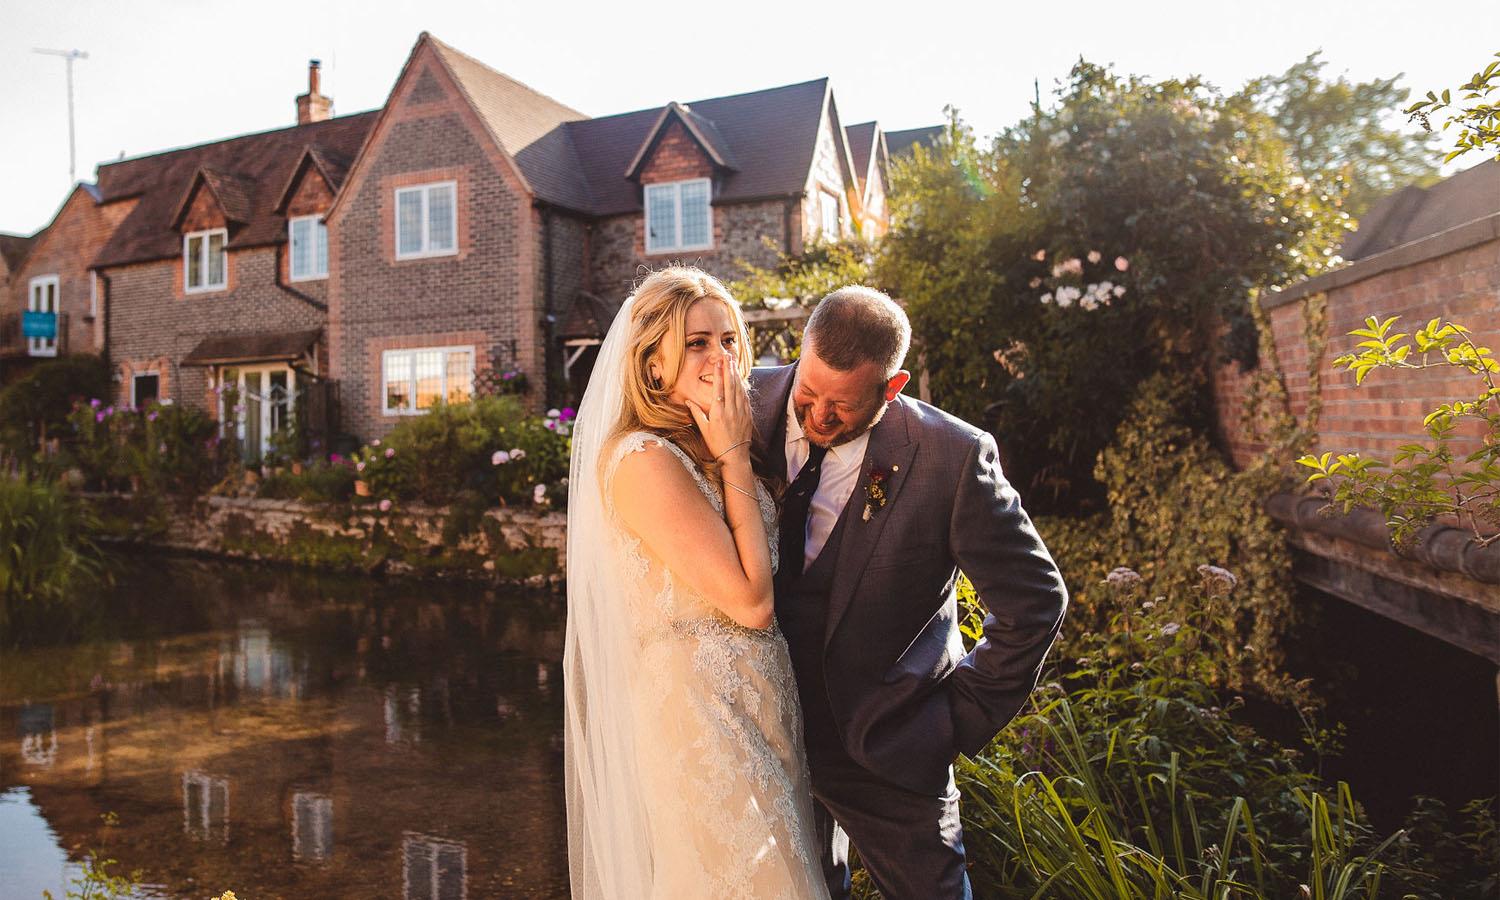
<point x="658" y="334"/>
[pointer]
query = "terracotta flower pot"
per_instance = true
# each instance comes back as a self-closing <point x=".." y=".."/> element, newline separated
<point x="252" y="477"/>
<point x="296" y="468"/>
<point x="361" y="488"/>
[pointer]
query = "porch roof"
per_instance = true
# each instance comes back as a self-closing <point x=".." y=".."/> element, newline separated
<point x="260" y="346"/>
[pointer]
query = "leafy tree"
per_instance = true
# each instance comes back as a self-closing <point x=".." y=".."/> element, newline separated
<point x="1478" y="122"/>
<point x="1114" y="236"/>
<point x="805" y="279"/>
<point x="1340" y="131"/>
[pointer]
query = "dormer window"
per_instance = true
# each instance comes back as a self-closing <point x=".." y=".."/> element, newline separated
<point x="678" y="216"/>
<point x="203" y="260"/>
<point x="426" y="220"/>
<point x="308" y="236"/>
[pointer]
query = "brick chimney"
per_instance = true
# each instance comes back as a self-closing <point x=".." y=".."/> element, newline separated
<point x="313" y="106"/>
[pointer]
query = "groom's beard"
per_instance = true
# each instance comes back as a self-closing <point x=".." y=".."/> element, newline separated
<point x="848" y="429"/>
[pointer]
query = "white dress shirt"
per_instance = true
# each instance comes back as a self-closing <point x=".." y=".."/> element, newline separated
<point x="841" y="470"/>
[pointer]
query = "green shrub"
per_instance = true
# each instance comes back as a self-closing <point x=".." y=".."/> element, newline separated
<point x="38" y="404"/>
<point x="471" y="446"/>
<point x="1128" y="777"/>
<point x="321" y="482"/>
<point x="47" y="558"/>
<point x="163" y="447"/>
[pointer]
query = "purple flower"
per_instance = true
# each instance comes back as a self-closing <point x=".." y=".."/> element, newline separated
<point x="151" y="416"/>
<point x="98" y="417"/>
<point x="109" y="410"/>
<point x="335" y="458"/>
<point x="568" y="413"/>
<point x="95" y="403"/>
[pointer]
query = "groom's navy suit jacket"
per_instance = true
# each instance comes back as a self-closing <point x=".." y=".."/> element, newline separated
<point x="904" y="696"/>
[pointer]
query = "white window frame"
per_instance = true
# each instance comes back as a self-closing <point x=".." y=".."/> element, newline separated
<point x="147" y="373"/>
<point x="677" y="186"/>
<point x="187" y="240"/>
<point x="426" y="251"/>
<point x="825" y="197"/>
<point x="291" y="249"/>
<point x="40" y="346"/>
<point x="411" y="383"/>
<point x="93" y="294"/>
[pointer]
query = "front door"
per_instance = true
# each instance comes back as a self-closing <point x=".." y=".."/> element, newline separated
<point x="267" y="398"/>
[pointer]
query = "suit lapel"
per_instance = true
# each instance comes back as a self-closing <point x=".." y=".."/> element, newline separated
<point x="890" y="452"/>
<point x="768" y="416"/>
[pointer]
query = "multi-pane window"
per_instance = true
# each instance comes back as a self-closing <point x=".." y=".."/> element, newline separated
<point x="426" y="220"/>
<point x="678" y="216"/>
<point x="203" y="260"/>
<point x="828" y="216"/>
<point x="309" y="239"/>
<point x="416" y="379"/>
<point x="433" y="868"/>
<point x="43" y="300"/>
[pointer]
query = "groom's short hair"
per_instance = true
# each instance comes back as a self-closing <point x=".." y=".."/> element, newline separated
<point x="858" y="324"/>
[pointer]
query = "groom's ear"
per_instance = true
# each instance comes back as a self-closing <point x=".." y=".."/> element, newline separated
<point x="894" y="386"/>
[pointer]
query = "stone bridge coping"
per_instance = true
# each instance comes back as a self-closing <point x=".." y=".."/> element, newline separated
<point x="1443" y="547"/>
<point x="1452" y="240"/>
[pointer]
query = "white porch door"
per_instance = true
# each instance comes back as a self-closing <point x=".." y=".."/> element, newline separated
<point x="267" y="402"/>
<point x="43" y="299"/>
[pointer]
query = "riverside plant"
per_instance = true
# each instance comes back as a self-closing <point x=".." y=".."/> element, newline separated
<point x="48" y="557"/>
<point x="1127" y="776"/>
<point x="1424" y="481"/>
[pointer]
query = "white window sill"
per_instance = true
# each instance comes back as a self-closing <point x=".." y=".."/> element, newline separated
<point x="295" y="278"/>
<point x="206" y="289"/>
<point x="432" y="254"/>
<point x="658" y="251"/>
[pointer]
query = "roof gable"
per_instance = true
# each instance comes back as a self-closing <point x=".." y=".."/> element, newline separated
<point x="703" y="132"/>
<point x="331" y="169"/>
<point x="768" y="135"/>
<point x="899" y="142"/>
<point x="230" y="192"/>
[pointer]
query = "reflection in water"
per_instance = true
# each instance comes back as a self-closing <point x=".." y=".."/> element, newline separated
<point x="401" y="711"/>
<point x="312" y="827"/>
<point x="433" y="868"/>
<point x="38" y="737"/>
<point x="205" y="807"/>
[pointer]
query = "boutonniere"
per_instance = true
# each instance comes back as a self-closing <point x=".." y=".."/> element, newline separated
<point x="875" y="495"/>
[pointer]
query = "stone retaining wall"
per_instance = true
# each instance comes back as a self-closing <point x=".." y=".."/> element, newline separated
<point x="499" y="544"/>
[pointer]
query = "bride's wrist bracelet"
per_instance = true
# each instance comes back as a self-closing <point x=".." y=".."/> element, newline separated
<point x="731" y="449"/>
<point x="729" y="483"/>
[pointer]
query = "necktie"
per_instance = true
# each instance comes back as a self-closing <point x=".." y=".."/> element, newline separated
<point x="794" y="510"/>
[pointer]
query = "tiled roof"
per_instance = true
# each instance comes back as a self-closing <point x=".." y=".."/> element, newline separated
<point x="702" y="130"/>
<point x="1413" y="213"/>
<point x="527" y="124"/>
<point x="261" y="346"/>
<point x="13" y="249"/>
<point x="899" y="142"/>
<point x="244" y="173"/>
<point x="861" y="140"/>
<point x="771" y="134"/>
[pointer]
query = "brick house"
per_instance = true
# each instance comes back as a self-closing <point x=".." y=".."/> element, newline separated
<point x="218" y="279"/>
<point x="469" y="224"/>
<point x="50" y="273"/>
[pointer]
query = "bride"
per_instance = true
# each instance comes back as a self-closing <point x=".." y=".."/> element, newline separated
<point x="685" y="769"/>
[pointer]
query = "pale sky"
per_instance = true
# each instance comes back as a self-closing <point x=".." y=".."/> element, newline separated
<point x="173" y="73"/>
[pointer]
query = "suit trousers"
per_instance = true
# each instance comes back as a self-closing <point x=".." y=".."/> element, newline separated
<point x="911" y="844"/>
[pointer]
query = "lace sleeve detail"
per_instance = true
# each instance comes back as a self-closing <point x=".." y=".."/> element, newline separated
<point x="637" y="441"/>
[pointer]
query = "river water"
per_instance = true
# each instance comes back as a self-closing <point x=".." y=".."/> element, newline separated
<point x="282" y="734"/>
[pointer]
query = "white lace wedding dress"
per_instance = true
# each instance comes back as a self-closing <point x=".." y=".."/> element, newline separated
<point x="721" y="762"/>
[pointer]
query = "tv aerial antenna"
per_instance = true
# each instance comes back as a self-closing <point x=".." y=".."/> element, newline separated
<point x="68" y="57"/>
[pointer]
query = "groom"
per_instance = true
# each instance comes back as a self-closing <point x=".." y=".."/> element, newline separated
<point x="887" y="499"/>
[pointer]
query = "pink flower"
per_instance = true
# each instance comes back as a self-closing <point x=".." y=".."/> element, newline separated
<point x="335" y="458"/>
<point x="151" y="416"/>
<point x="499" y="458"/>
<point x="568" y="413"/>
<point x="1095" y="256"/>
<point x="375" y="443"/>
<point x="98" y="417"/>
<point x="359" y="466"/>
<point x="1121" y="263"/>
<point x="517" y="454"/>
<point x="1034" y="283"/>
<point x="389" y="452"/>
<point x="1039" y="255"/>
<point x="385" y="506"/>
<point x="95" y="403"/>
